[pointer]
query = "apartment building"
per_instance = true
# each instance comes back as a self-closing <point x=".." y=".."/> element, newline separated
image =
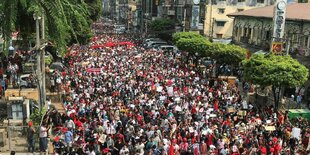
<point x="220" y="26"/>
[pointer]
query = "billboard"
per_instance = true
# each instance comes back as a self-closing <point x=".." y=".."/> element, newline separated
<point x="277" y="48"/>
<point x="279" y="19"/>
<point x="195" y="17"/>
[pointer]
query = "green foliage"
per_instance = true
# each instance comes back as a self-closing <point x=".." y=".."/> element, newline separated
<point x="48" y="60"/>
<point x="275" y="70"/>
<point x="37" y="116"/>
<point x="95" y="9"/>
<point x="160" y="25"/>
<point x="193" y="45"/>
<point x="177" y="36"/>
<point x="66" y="21"/>
<point x="229" y="54"/>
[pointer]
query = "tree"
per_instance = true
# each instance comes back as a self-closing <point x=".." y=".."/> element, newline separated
<point x="163" y="28"/>
<point x="193" y="45"/>
<point x="227" y="54"/>
<point x="160" y="25"/>
<point x="177" y="36"/>
<point x="275" y="71"/>
<point x="67" y="21"/>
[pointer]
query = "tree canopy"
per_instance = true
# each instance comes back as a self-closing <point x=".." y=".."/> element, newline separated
<point x="275" y="70"/>
<point x="193" y="45"/>
<point x="228" y="54"/>
<point x="162" y="25"/>
<point x="189" y="35"/>
<point x="67" y="21"/>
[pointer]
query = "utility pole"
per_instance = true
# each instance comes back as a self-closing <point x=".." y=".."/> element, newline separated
<point x="142" y="16"/>
<point x="43" y="88"/>
<point x="37" y="18"/>
<point x="210" y="21"/>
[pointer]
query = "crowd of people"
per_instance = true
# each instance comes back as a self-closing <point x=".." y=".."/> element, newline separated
<point x="131" y="101"/>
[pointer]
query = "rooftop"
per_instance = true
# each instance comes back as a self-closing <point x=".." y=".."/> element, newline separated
<point x="294" y="12"/>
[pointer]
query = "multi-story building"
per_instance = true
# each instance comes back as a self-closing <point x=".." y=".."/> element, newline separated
<point x="217" y="24"/>
<point x="254" y="28"/>
<point x="211" y="20"/>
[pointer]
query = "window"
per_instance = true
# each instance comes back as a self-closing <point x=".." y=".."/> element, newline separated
<point x="245" y="32"/>
<point x="306" y="41"/>
<point x="17" y="111"/>
<point x="268" y="35"/>
<point x="219" y="36"/>
<point x="249" y="33"/>
<point x="220" y="23"/>
<point x="221" y="10"/>
<point x="261" y="1"/>
<point x="236" y="31"/>
<point x="239" y="10"/>
<point x="302" y="1"/>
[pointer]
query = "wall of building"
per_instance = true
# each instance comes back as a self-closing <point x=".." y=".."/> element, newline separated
<point x="217" y="23"/>
<point x="257" y="32"/>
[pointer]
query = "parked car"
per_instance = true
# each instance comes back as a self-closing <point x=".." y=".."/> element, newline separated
<point x="27" y="81"/>
<point x="57" y="66"/>
<point x="30" y="65"/>
<point x="146" y="41"/>
<point x="153" y="44"/>
<point x="119" y="29"/>
<point x="168" y="48"/>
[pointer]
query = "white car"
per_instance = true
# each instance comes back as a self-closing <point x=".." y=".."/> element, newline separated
<point x="57" y="66"/>
<point x="25" y="81"/>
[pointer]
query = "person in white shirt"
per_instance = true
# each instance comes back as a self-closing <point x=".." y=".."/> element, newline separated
<point x="124" y="150"/>
<point x="140" y="148"/>
<point x="43" y="137"/>
<point x="70" y="124"/>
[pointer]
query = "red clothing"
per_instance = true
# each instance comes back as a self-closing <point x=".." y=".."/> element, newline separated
<point x="216" y="105"/>
<point x="210" y="139"/>
<point x="171" y="150"/>
<point x="277" y="149"/>
<point x="184" y="146"/>
<point x="203" y="148"/>
<point x="263" y="150"/>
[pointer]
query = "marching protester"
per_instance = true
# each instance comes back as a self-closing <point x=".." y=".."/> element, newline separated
<point x="30" y="137"/>
<point x="123" y="99"/>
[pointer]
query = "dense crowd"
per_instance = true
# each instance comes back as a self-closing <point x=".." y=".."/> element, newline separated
<point x="131" y="101"/>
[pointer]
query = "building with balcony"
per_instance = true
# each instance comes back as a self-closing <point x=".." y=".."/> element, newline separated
<point x="254" y="28"/>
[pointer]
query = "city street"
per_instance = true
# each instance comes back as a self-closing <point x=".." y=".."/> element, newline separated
<point x="116" y="77"/>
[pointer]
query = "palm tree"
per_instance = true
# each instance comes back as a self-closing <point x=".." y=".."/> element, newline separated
<point x="67" y="21"/>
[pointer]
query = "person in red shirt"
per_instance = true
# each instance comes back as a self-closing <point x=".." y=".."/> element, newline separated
<point x="263" y="150"/>
<point x="277" y="147"/>
<point x="210" y="137"/>
<point x="78" y="123"/>
<point x="216" y="105"/>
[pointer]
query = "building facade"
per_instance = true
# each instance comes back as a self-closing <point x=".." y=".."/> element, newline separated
<point x="254" y="28"/>
<point x="212" y="20"/>
<point x="217" y="24"/>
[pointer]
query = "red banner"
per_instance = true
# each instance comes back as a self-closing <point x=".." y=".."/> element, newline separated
<point x="93" y="70"/>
